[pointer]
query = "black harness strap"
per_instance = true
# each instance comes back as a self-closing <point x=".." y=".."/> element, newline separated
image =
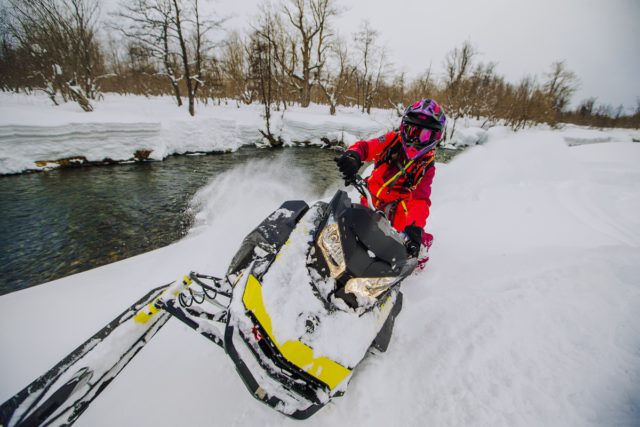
<point x="413" y="174"/>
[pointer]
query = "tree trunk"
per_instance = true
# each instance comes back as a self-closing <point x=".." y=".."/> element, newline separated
<point x="185" y="60"/>
<point x="80" y="98"/>
<point x="167" y="64"/>
<point x="453" y="128"/>
<point x="176" y="92"/>
<point x="305" y="99"/>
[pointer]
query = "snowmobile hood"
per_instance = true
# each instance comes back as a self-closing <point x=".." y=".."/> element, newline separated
<point x="372" y="247"/>
<point x="299" y="354"/>
<point x="368" y="228"/>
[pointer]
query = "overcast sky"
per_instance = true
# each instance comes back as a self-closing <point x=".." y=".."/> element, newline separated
<point x="598" y="39"/>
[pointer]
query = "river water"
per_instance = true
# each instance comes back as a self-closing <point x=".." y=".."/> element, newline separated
<point x="62" y="222"/>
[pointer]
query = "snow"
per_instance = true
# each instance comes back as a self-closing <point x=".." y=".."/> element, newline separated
<point x="466" y="136"/>
<point x="34" y="133"/>
<point x="32" y="130"/>
<point x="293" y="303"/>
<point x="342" y="336"/>
<point x="526" y="314"/>
<point x="575" y="135"/>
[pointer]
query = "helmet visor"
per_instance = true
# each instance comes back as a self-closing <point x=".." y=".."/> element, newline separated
<point x="418" y="136"/>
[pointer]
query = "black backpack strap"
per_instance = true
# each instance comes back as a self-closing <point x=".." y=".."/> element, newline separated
<point x="415" y="173"/>
<point x="388" y="151"/>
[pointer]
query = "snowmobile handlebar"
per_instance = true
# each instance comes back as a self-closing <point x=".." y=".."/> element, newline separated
<point x="362" y="188"/>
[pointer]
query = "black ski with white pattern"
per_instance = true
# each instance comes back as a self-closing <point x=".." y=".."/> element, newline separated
<point x="59" y="396"/>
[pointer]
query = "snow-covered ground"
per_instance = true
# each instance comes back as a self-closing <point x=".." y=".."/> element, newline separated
<point x="526" y="315"/>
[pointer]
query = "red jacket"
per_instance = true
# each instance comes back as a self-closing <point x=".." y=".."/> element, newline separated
<point x="388" y="185"/>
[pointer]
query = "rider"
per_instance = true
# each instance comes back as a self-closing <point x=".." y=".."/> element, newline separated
<point x="400" y="183"/>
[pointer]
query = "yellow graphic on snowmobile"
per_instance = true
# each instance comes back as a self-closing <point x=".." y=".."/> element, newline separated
<point x="146" y="313"/>
<point x="296" y="352"/>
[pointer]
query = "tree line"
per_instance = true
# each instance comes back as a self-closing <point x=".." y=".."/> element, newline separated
<point x="291" y="54"/>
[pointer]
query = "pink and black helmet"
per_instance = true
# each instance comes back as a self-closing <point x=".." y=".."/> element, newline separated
<point x="422" y="127"/>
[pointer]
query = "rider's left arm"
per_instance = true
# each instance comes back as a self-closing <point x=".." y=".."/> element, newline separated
<point x="419" y="204"/>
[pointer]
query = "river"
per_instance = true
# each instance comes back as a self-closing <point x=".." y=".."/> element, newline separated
<point x="61" y="222"/>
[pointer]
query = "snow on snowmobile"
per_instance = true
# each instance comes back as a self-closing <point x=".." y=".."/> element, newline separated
<point x="309" y="293"/>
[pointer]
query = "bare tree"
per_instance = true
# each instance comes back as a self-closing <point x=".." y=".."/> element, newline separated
<point x="528" y="103"/>
<point x="373" y="64"/>
<point x="458" y="65"/>
<point x="174" y="32"/>
<point x="10" y="78"/>
<point x="561" y="83"/>
<point x="204" y="62"/>
<point x="335" y="77"/>
<point x="60" y="51"/>
<point x="479" y="88"/>
<point x="183" y="53"/>
<point x="284" y="57"/>
<point x="423" y="86"/>
<point x="235" y="68"/>
<point x="586" y="107"/>
<point x="262" y="59"/>
<point x="310" y="20"/>
<point x="149" y="23"/>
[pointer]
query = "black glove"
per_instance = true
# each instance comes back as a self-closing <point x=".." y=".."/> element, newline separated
<point x="414" y="239"/>
<point x="349" y="163"/>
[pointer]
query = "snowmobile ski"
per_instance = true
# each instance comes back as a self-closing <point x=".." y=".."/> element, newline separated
<point x="60" y="395"/>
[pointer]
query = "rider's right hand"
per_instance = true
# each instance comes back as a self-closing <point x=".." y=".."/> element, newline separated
<point x="349" y="163"/>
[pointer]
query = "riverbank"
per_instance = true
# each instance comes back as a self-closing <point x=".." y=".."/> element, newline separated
<point x="36" y="135"/>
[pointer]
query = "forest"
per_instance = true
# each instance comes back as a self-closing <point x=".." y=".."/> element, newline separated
<point x="290" y="54"/>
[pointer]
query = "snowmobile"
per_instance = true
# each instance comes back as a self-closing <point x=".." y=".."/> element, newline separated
<point x="310" y="292"/>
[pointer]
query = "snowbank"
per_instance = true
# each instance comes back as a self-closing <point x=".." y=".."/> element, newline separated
<point x="576" y="135"/>
<point x="527" y="313"/>
<point x="34" y="134"/>
<point x="470" y="132"/>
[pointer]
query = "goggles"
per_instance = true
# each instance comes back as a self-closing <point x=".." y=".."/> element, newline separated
<point x="418" y="136"/>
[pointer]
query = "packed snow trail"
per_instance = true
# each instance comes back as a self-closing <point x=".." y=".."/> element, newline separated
<point x="525" y="315"/>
